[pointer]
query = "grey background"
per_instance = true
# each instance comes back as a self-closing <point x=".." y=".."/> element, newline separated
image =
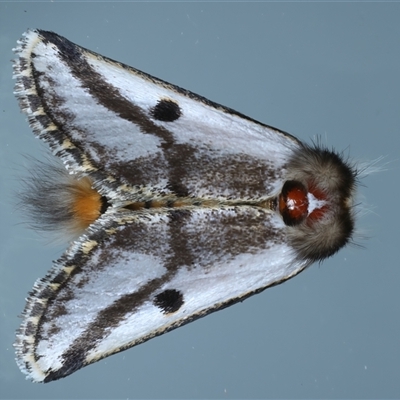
<point x="312" y="69"/>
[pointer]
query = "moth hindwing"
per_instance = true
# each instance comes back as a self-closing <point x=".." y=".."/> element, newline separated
<point x="179" y="206"/>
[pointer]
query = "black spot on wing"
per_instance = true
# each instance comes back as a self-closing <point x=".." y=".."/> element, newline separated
<point x="166" y="110"/>
<point x="169" y="301"/>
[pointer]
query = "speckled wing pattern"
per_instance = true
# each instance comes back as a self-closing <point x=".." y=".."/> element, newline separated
<point x="215" y="239"/>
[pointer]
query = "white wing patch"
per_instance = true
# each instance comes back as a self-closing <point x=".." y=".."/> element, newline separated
<point x="192" y="208"/>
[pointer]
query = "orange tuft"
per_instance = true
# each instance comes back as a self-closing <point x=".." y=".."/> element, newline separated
<point x="86" y="203"/>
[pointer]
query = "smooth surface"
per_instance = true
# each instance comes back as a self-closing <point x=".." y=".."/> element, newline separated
<point x="312" y="69"/>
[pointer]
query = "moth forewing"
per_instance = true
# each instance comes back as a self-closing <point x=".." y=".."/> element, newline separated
<point x="187" y="206"/>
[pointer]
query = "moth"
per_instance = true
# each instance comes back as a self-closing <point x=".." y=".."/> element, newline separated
<point x="179" y="206"/>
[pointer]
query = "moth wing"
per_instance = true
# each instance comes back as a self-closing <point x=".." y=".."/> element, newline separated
<point x="137" y="275"/>
<point x="122" y="126"/>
